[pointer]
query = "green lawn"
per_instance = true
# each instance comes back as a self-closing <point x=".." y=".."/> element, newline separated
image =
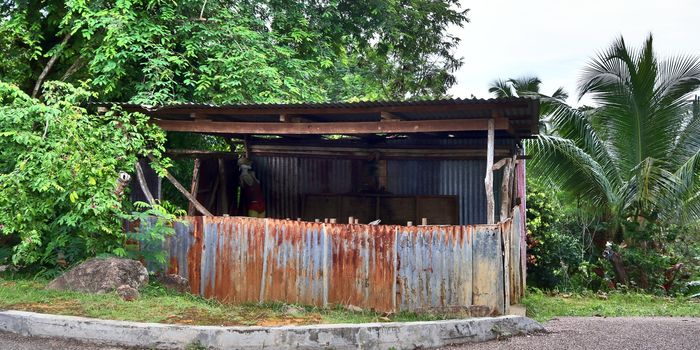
<point x="543" y="307"/>
<point x="159" y="305"/>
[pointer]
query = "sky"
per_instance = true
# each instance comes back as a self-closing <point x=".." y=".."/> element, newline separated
<point x="554" y="40"/>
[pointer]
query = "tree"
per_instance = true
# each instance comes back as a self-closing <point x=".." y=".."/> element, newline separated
<point x="222" y="51"/>
<point x="635" y="155"/>
<point x="59" y="170"/>
<point x="530" y="87"/>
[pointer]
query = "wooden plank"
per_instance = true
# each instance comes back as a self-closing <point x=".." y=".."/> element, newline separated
<point x="194" y="188"/>
<point x="488" y="181"/>
<point x="388" y="116"/>
<point x="194" y="153"/>
<point x="182" y="190"/>
<point x="365" y="153"/>
<point x="506" y="183"/>
<point x="330" y="128"/>
<point x="345" y="110"/>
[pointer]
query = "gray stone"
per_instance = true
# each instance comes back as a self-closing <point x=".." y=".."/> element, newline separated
<point x="396" y="335"/>
<point x="102" y="276"/>
<point x="128" y="293"/>
<point x="175" y="282"/>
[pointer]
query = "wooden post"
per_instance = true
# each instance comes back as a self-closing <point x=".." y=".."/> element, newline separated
<point x="142" y="182"/>
<point x="506" y="189"/>
<point x="223" y="189"/>
<point x="488" y="181"/>
<point x="182" y="190"/>
<point x="195" y="186"/>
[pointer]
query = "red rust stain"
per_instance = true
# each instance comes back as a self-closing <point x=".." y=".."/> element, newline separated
<point x="173" y="266"/>
<point x="194" y="254"/>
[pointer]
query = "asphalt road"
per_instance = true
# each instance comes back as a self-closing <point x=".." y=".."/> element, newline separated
<point x="625" y="333"/>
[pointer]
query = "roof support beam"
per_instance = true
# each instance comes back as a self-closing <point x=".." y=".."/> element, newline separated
<point x="343" y="128"/>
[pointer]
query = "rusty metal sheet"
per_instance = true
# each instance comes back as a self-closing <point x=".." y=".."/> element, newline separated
<point x="487" y="258"/>
<point x="294" y="262"/>
<point x="362" y="266"/>
<point x="516" y="269"/>
<point x="379" y="267"/>
<point x="434" y="267"/>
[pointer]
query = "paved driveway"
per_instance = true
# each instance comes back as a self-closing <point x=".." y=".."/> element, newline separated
<point x="625" y="333"/>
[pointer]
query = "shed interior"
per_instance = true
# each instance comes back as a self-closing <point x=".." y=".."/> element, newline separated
<point x="419" y="162"/>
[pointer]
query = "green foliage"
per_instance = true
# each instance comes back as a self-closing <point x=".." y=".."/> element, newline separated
<point x="59" y="167"/>
<point x="152" y="51"/>
<point x="543" y="307"/>
<point x="155" y="225"/>
<point x="553" y="253"/>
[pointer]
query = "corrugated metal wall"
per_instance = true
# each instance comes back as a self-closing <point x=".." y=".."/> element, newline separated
<point x="382" y="267"/>
<point x="463" y="178"/>
<point x="286" y="180"/>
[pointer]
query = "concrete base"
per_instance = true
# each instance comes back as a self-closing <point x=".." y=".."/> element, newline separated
<point x="395" y="335"/>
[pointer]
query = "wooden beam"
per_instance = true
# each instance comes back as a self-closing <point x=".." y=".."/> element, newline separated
<point x="253" y="110"/>
<point x="194" y="188"/>
<point x="488" y="181"/>
<point x="143" y="184"/>
<point x="369" y="152"/>
<point x="194" y="153"/>
<point x="330" y="128"/>
<point x="182" y="190"/>
<point x="388" y="116"/>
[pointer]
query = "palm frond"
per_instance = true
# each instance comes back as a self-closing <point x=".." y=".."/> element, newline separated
<point x="501" y="88"/>
<point x="561" y="161"/>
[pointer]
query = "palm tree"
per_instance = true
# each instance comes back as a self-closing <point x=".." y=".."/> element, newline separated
<point x="529" y="86"/>
<point x="635" y="155"/>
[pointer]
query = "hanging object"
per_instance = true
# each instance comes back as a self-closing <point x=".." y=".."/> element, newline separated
<point x="252" y="194"/>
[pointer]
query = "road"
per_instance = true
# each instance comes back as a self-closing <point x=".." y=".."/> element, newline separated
<point x="625" y="333"/>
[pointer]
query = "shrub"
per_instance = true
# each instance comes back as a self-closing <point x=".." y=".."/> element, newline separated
<point x="59" y="166"/>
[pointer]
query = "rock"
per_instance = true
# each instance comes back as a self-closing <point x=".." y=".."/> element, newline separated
<point x="353" y="308"/>
<point x="293" y="310"/>
<point x="128" y="293"/>
<point x="102" y="276"/>
<point x="175" y="282"/>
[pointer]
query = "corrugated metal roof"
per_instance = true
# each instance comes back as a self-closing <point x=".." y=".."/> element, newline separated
<point x="312" y="105"/>
<point x="522" y="112"/>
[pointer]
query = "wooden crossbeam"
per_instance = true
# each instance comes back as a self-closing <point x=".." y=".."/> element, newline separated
<point x="329" y="128"/>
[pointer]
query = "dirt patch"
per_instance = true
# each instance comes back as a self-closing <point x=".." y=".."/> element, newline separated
<point x="63" y="307"/>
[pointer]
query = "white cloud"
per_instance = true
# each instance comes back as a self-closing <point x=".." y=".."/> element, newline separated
<point x="553" y="40"/>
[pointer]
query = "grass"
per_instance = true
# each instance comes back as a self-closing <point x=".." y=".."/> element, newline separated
<point x="159" y="305"/>
<point x="543" y="307"/>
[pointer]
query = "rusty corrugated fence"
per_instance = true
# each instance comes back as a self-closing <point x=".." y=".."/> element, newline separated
<point x="384" y="268"/>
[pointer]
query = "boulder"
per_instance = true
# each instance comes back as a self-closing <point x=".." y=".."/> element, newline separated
<point x="175" y="282"/>
<point x="102" y="276"/>
<point x="128" y="293"/>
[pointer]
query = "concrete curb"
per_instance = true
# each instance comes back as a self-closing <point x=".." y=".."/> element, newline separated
<point x="394" y="335"/>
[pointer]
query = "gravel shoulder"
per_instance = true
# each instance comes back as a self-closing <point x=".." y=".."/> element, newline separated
<point x="619" y="333"/>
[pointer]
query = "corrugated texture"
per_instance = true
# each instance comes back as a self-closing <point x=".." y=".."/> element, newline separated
<point x="487" y="269"/>
<point x="463" y="178"/>
<point x="384" y="268"/>
<point x="286" y="179"/>
<point x="434" y="266"/>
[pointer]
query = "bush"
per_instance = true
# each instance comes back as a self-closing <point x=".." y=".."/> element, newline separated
<point x="554" y="254"/>
<point x="59" y="167"/>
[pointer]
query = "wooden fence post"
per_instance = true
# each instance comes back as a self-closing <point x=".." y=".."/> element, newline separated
<point x="488" y="181"/>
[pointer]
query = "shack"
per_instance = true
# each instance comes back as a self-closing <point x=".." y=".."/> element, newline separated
<point x="388" y="206"/>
